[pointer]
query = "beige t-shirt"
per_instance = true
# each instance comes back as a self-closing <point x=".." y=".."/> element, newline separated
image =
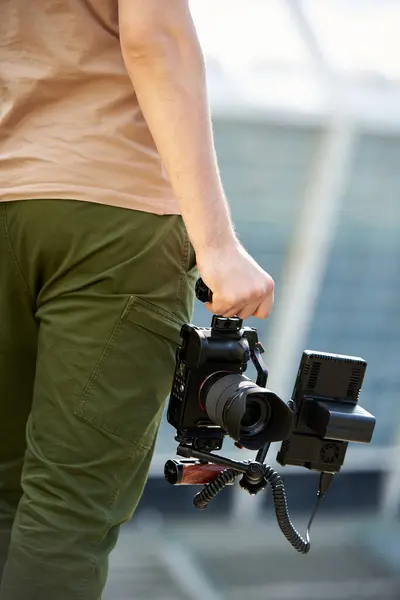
<point x="70" y="123"/>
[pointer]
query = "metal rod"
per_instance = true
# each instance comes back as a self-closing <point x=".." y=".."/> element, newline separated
<point x="189" y="452"/>
<point x="262" y="453"/>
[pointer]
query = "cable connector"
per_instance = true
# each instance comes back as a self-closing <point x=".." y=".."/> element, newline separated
<point x="325" y="481"/>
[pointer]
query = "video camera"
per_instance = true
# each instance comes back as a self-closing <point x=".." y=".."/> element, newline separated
<point x="211" y="398"/>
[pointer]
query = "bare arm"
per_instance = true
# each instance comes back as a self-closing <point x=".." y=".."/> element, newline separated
<point x="165" y="63"/>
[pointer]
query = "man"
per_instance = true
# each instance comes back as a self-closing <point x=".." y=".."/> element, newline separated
<point x="109" y="193"/>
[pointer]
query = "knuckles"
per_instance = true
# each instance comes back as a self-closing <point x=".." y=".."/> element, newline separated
<point x="238" y="299"/>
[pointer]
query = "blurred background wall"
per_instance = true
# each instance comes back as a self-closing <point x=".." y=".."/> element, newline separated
<point x="306" y="107"/>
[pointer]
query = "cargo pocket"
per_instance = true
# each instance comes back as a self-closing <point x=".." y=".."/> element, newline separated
<point x="127" y="389"/>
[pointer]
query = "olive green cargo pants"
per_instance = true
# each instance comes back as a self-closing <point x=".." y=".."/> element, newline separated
<point x="92" y="299"/>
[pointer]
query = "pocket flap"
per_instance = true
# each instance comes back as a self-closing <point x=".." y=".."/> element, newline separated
<point x="155" y="319"/>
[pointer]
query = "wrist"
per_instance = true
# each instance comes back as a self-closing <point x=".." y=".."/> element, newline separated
<point x="221" y="242"/>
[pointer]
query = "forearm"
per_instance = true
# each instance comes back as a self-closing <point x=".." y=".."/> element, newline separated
<point x="169" y="80"/>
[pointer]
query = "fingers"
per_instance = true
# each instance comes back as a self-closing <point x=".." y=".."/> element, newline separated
<point x="258" y="305"/>
<point x="264" y="309"/>
<point x="248" y="311"/>
<point x="220" y="309"/>
<point x="224" y="304"/>
<point x="259" y="310"/>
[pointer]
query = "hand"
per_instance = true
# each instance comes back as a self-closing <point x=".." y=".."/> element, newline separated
<point x="239" y="285"/>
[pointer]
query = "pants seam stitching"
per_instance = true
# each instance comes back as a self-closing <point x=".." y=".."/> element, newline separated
<point x="12" y="253"/>
<point x="94" y="560"/>
<point x="97" y="370"/>
<point x="108" y="524"/>
<point x="104" y="427"/>
<point x="184" y="268"/>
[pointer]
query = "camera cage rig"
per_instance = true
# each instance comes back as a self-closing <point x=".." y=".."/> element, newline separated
<point x="216" y="471"/>
<point x="199" y="466"/>
<point x="193" y="443"/>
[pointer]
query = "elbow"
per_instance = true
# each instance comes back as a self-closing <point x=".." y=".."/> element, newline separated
<point x="146" y="45"/>
<point x="157" y="38"/>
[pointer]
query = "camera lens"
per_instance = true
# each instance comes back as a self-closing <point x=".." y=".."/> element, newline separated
<point x="256" y="415"/>
<point x="250" y="414"/>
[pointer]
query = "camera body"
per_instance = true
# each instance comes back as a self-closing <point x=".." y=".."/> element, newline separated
<point x="211" y="398"/>
<point x="222" y="348"/>
<point x="326" y="412"/>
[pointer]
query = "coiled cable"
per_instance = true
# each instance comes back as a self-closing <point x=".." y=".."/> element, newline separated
<point x="282" y="513"/>
<point x="212" y="489"/>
